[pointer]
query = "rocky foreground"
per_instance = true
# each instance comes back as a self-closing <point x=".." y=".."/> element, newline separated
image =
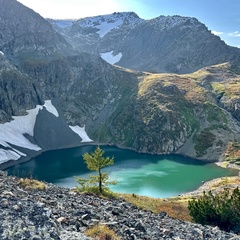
<point x="59" y="213"/>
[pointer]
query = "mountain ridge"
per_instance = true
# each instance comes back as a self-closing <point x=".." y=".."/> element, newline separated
<point x="163" y="44"/>
<point x="28" y="27"/>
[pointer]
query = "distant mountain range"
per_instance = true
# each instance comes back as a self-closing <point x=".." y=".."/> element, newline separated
<point x="56" y="69"/>
<point x="172" y="44"/>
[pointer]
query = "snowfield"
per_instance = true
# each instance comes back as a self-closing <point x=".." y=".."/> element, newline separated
<point x="106" y="27"/>
<point x="13" y="133"/>
<point x="108" y="57"/>
<point x="81" y="132"/>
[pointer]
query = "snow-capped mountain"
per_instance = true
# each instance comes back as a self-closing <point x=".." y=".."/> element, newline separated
<point x="163" y="44"/>
<point x="95" y="34"/>
<point x="102" y="24"/>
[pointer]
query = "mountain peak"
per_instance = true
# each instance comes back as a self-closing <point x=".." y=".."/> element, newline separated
<point x="101" y="23"/>
<point x="109" y="18"/>
<point x="168" y="22"/>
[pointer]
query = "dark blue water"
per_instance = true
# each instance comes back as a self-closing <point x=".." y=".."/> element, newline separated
<point x="143" y="174"/>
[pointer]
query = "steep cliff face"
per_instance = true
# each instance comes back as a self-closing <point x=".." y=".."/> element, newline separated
<point x="17" y="91"/>
<point x="172" y="44"/>
<point x="26" y="127"/>
<point x="86" y="87"/>
<point x="153" y="113"/>
<point x="26" y="36"/>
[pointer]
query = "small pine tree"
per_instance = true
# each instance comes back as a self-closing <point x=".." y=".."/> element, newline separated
<point x="222" y="210"/>
<point x="95" y="162"/>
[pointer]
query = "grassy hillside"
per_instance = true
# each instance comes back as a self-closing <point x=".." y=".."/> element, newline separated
<point x="191" y="114"/>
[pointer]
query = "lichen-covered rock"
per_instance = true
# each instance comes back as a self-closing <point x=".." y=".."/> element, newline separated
<point x="24" y="219"/>
<point x="31" y="214"/>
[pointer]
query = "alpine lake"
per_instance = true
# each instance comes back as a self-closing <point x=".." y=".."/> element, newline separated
<point x="157" y="176"/>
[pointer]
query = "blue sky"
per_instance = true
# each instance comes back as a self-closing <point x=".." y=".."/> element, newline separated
<point x="220" y="16"/>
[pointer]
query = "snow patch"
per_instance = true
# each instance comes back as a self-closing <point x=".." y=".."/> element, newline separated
<point x="82" y="133"/>
<point x="105" y="23"/>
<point x="12" y="133"/>
<point x="51" y="108"/>
<point x="106" y="27"/>
<point x="108" y="57"/>
<point x="8" y="154"/>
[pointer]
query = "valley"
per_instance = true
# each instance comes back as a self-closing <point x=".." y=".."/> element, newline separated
<point x="162" y="95"/>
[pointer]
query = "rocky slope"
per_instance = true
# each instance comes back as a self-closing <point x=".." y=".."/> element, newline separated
<point x="59" y="213"/>
<point x="27" y="36"/>
<point x="15" y="88"/>
<point x="173" y="44"/>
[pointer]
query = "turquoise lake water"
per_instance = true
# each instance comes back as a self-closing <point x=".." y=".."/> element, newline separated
<point x="143" y="174"/>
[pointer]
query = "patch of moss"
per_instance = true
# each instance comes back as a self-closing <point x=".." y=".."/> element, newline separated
<point x="214" y="113"/>
<point x="203" y="141"/>
<point x="102" y="134"/>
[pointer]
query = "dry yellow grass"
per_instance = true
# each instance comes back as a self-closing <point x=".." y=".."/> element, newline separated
<point x="230" y="88"/>
<point x="185" y="83"/>
<point x="101" y="232"/>
<point x="32" y="184"/>
<point x="174" y="207"/>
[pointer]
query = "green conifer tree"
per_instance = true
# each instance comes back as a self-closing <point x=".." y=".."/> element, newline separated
<point x="95" y="162"/>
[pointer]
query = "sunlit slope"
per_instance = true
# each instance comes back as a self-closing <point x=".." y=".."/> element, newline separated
<point x="168" y="113"/>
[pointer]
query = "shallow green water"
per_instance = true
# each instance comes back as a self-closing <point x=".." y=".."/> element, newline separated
<point x="143" y="174"/>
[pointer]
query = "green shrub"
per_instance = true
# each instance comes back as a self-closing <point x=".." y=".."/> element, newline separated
<point x="222" y="210"/>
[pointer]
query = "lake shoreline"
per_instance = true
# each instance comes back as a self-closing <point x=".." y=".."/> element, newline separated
<point x="23" y="159"/>
<point x="145" y="174"/>
<point x="215" y="185"/>
<point x="34" y="154"/>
